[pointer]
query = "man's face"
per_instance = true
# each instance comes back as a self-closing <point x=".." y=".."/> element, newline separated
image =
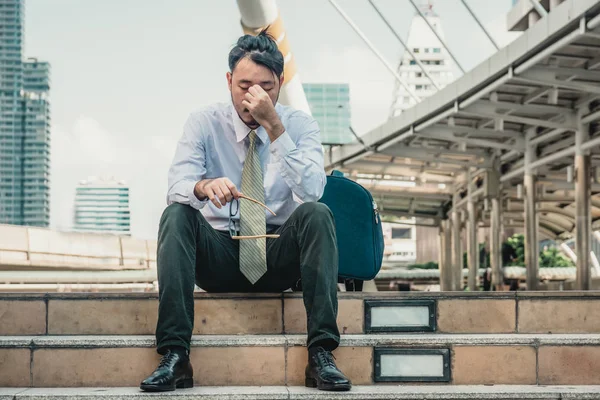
<point x="245" y="75"/>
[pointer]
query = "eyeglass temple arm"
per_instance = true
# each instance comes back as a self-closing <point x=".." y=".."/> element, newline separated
<point x="274" y="236"/>
<point x="257" y="202"/>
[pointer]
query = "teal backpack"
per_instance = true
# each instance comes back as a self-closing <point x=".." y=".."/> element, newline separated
<point x="358" y="228"/>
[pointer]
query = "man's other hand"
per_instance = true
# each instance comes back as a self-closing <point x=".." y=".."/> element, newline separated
<point x="219" y="190"/>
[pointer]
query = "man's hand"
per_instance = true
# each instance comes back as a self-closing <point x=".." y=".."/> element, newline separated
<point x="262" y="109"/>
<point x="220" y="191"/>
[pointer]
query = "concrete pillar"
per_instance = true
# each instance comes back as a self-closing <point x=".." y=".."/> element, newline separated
<point x="583" y="220"/>
<point x="493" y="194"/>
<point x="448" y="254"/>
<point x="495" y="244"/>
<point x="472" y="248"/>
<point x="531" y="220"/>
<point x="445" y="257"/>
<point x="457" y="257"/>
<point x="441" y="261"/>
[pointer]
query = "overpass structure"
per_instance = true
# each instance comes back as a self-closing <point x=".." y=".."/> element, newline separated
<point x="514" y="143"/>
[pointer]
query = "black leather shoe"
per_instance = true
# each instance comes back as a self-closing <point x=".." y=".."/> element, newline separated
<point x="174" y="371"/>
<point x="322" y="373"/>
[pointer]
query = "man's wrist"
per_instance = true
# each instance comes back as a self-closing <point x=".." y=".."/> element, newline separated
<point x="275" y="129"/>
<point x="199" y="189"/>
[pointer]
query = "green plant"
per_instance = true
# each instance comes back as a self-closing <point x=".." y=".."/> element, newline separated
<point x="427" y="265"/>
<point x="517" y="243"/>
<point x="553" y="258"/>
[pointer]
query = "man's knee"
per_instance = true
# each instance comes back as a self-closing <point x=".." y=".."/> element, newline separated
<point x="315" y="214"/>
<point x="177" y="215"/>
<point x="315" y="210"/>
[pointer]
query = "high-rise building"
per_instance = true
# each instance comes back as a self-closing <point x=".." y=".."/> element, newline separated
<point x="36" y="146"/>
<point x="24" y="126"/>
<point x="102" y="206"/>
<point x="330" y="106"/>
<point x="11" y="82"/>
<point x="429" y="51"/>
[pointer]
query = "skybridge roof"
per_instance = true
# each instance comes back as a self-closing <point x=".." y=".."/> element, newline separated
<point x="534" y="93"/>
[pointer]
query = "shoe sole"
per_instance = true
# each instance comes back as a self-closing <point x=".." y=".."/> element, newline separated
<point x="342" y="387"/>
<point x="187" y="383"/>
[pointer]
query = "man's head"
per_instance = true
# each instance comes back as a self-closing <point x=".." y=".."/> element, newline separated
<point x="255" y="60"/>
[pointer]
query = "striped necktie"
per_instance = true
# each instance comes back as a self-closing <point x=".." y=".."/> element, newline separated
<point x="253" y="255"/>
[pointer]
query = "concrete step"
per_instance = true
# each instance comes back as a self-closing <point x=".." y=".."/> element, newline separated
<point x="270" y="360"/>
<point x="445" y="312"/>
<point x="404" y="392"/>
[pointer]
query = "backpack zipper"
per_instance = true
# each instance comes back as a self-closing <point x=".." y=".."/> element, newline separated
<point x="375" y="212"/>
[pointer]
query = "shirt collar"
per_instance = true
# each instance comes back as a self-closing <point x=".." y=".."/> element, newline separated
<point x="242" y="130"/>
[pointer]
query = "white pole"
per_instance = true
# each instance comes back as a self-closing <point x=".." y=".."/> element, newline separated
<point x="374" y="50"/>
<point x="256" y="15"/>
<point x="539" y="8"/>
<point x="480" y="24"/>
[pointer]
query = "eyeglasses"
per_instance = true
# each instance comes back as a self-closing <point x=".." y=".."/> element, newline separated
<point x="233" y="232"/>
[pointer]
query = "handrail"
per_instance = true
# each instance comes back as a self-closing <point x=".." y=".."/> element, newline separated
<point x="34" y="247"/>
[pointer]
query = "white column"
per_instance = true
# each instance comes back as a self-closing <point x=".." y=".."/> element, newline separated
<point x="456" y="246"/>
<point x="583" y="220"/>
<point x="445" y="257"/>
<point x="531" y="220"/>
<point x="472" y="247"/>
<point x="495" y="244"/>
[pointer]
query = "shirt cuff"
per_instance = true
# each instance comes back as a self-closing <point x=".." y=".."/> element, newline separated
<point x="282" y="145"/>
<point x="194" y="201"/>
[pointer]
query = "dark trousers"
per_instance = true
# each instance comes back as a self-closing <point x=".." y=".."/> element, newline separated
<point x="191" y="251"/>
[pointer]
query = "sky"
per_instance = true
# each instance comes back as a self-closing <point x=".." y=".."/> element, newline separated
<point x="125" y="75"/>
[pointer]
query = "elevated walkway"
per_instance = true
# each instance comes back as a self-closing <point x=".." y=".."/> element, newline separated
<point x="511" y="145"/>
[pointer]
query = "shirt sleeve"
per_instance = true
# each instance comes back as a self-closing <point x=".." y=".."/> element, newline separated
<point x="301" y="163"/>
<point x="188" y="166"/>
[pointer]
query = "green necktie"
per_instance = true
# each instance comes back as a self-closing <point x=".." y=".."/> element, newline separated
<point x="253" y="255"/>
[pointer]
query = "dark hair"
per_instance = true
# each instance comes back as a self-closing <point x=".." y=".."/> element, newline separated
<point x="262" y="49"/>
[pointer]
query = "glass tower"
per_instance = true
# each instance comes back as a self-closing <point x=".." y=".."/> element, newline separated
<point x="102" y="206"/>
<point x="36" y="146"/>
<point x="330" y="106"/>
<point x="11" y="127"/>
<point x="24" y="126"/>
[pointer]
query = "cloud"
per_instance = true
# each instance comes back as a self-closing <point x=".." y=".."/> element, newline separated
<point x="87" y="149"/>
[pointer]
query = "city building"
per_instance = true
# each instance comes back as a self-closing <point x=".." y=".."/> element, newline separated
<point x="330" y="106"/>
<point x="429" y="51"/>
<point x="102" y="206"/>
<point x="400" y="243"/>
<point x="36" y="146"/>
<point x="24" y="126"/>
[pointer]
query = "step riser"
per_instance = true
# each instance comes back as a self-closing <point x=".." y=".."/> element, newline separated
<point x="286" y="315"/>
<point x="281" y="365"/>
<point x="387" y="392"/>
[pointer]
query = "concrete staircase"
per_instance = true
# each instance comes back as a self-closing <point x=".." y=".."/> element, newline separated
<point x="536" y="345"/>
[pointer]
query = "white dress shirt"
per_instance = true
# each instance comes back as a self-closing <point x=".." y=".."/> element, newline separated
<point x="214" y="145"/>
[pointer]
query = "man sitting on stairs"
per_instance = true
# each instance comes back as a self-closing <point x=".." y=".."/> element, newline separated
<point x="243" y="216"/>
